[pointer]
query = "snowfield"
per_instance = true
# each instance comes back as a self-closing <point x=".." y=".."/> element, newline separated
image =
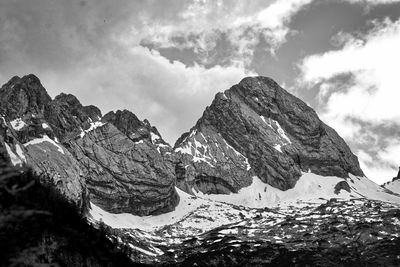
<point x="45" y="138"/>
<point x="394" y="186"/>
<point x="186" y="205"/>
<point x="254" y="214"/>
<point x="93" y="125"/>
<point x="311" y="188"/>
<point x="17" y="124"/>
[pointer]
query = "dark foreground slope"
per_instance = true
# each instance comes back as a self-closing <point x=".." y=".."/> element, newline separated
<point x="39" y="227"/>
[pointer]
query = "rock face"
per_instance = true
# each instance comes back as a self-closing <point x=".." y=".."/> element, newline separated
<point x="24" y="95"/>
<point x="28" y="139"/>
<point x="135" y="129"/>
<point x="66" y="115"/>
<point x="116" y="161"/>
<point x="125" y="175"/>
<point x="257" y="128"/>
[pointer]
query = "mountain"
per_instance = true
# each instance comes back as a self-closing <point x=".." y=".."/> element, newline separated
<point x="88" y="159"/>
<point x="256" y="132"/>
<point x="258" y="180"/>
<point x="263" y="181"/>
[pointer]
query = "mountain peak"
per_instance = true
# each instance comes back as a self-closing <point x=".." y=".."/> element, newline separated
<point x="23" y="95"/>
<point x="264" y="131"/>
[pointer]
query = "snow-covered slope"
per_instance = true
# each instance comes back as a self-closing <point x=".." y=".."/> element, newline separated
<point x="259" y="216"/>
<point x="310" y="188"/>
<point x="393" y="186"/>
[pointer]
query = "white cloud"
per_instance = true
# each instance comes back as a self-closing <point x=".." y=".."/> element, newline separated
<point x="373" y="95"/>
<point x="377" y="173"/>
<point x="372" y="2"/>
<point x="383" y="166"/>
<point x="201" y="23"/>
<point x="171" y="95"/>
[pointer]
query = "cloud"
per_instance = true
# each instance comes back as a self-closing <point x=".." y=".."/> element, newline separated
<point x="93" y="51"/>
<point x="372" y="96"/>
<point x="200" y="25"/>
<point x="171" y="95"/>
<point x="380" y="173"/>
<point x="372" y="2"/>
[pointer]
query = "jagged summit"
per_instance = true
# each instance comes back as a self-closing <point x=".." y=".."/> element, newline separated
<point x="23" y="95"/>
<point x="261" y="171"/>
<point x="258" y="128"/>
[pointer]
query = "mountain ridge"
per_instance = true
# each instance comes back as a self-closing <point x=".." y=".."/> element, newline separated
<point x="64" y="139"/>
<point x="258" y="121"/>
<point x="253" y="175"/>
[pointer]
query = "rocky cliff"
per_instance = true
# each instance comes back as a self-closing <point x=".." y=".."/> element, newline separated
<point x="125" y="175"/>
<point x="28" y="138"/>
<point x="116" y="161"/>
<point x="122" y="164"/>
<point x="257" y="128"/>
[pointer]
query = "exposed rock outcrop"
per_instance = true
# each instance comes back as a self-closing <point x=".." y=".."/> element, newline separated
<point x="257" y="128"/>
<point x="343" y="185"/>
<point x="135" y="129"/>
<point x="21" y="96"/>
<point x="124" y="175"/>
<point x="28" y="139"/>
<point x="120" y="168"/>
<point x="68" y="117"/>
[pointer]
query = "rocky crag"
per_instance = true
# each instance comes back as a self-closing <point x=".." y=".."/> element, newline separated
<point x="256" y="128"/>
<point x="119" y="167"/>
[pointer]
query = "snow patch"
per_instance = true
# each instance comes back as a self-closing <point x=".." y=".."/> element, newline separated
<point x="245" y="159"/>
<point x="143" y="250"/>
<point x="199" y="152"/>
<point x="17" y="124"/>
<point x="159" y="146"/>
<point x="273" y="124"/>
<point x="309" y="188"/>
<point x="45" y="138"/>
<point x="45" y="126"/>
<point x="393" y="186"/>
<point x="15" y="160"/>
<point x="364" y="187"/>
<point x="278" y="147"/>
<point x="187" y="204"/>
<point x="93" y="125"/>
<point x="282" y="132"/>
<point x="154" y="137"/>
<point x="20" y="153"/>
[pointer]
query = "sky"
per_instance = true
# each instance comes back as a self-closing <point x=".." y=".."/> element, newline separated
<point x="166" y="60"/>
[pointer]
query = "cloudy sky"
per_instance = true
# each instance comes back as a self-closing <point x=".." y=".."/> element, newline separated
<point x="165" y="60"/>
